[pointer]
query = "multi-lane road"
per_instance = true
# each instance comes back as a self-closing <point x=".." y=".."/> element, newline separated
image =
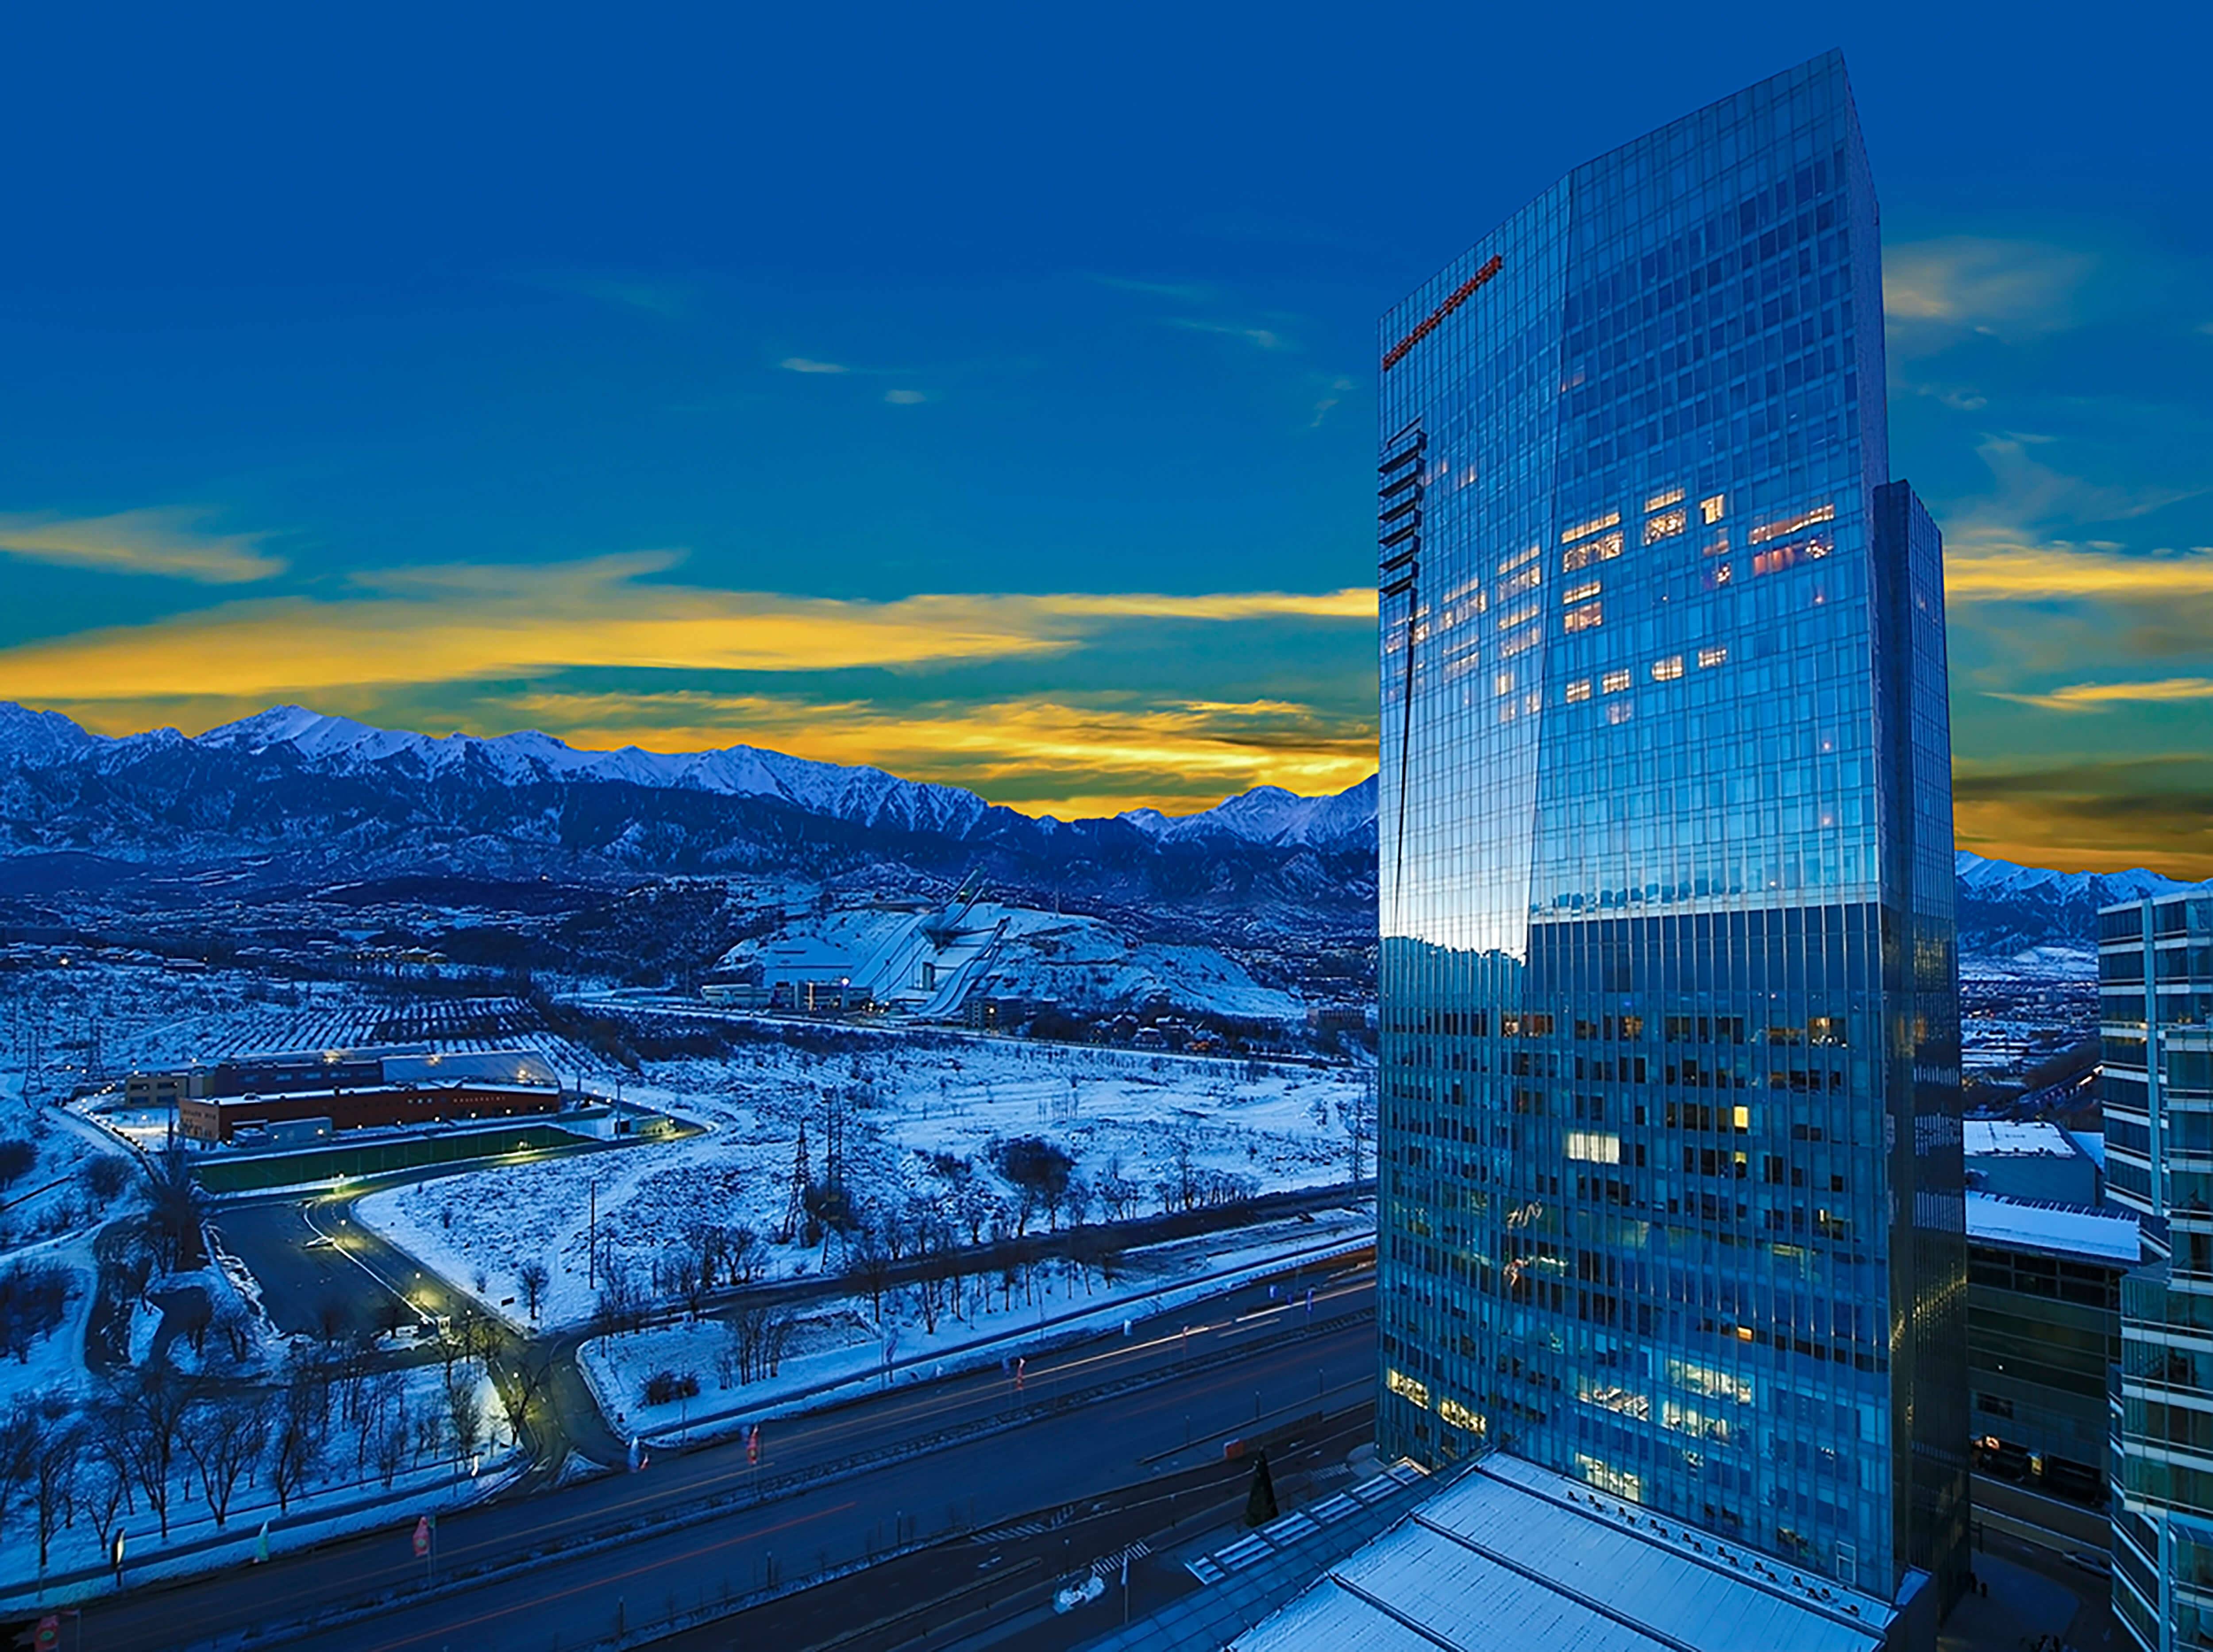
<point x="580" y="1563"/>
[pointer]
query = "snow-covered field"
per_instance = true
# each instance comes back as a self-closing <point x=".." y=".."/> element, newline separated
<point x="856" y="1342"/>
<point x="1143" y="1127"/>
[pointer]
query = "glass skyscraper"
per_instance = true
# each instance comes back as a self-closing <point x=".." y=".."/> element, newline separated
<point x="1671" y="1189"/>
<point x="2155" y="987"/>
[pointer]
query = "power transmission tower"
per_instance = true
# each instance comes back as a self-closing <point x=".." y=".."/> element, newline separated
<point x="794" y="1209"/>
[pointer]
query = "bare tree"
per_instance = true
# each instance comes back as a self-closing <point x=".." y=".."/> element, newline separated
<point x="224" y="1440"/>
<point x="53" y="1480"/>
<point x="143" y="1418"/>
<point x="465" y="1405"/>
<point x="295" y="1447"/>
<point x="621" y="1307"/>
<point x="870" y="1259"/>
<point x="526" y="1382"/>
<point x="234" y="1323"/>
<point x="743" y="1254"/>
<point x="104" y="1495"/>
<point x="21" y="1431"/>
<point x="1117" y="1194"/>
<point x="429" y="1435"/>
<point x="534" y="1276"/>
<point x="390" y="1446"/>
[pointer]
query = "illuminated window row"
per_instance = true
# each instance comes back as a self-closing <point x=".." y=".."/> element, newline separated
<point x="1661" y="501"/>
<point x="1581" y="556"/>
<point x="1583" y="530"/>
<point x="1788" y="525"/>
<point x="1666" y="670"/>
<point x="1774" y="560"/>
<point x="1407" y="1387"/>
<point x="1665" y="526"/>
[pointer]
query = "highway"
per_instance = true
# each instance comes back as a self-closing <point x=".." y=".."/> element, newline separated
<point x="620" y="1553"/>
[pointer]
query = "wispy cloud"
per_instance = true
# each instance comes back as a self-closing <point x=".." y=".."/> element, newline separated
<point x="476" y="623"/>
<point x="671" y="300"/>
<point x="2093" y="697"/>
<point x="2036" y="533"/>
<point x="1337" y="387"/>
<point x="1958" y="399"/>
<point x="1935" y="292"/>
<point x="804" y="364"/>
<point x="1185" y="293"/>
<point x="162" y="542"/>
<point x="1261" y="337"/>
<point x="904" y="397"/>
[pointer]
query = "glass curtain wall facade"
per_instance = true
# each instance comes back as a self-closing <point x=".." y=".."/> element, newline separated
<point x="2156" y="988"/>
<point x="1670" y="1187"/>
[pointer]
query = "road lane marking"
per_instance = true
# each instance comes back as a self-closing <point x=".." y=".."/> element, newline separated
<point x="541" y="1600"/>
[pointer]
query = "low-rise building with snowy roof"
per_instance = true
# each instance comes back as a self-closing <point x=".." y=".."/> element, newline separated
<point x="1503" y="1556"/>
<point x="2029" y="1159"/>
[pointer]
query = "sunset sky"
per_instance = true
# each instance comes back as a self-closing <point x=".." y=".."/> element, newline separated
<point x="988" y="395"/>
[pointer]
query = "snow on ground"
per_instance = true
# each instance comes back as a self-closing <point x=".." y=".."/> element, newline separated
<point x="1156" y="1121"/>
<point x="1083" y="964"/>
<point x="346" y="1493"/>
<point x="73" y="1179"/>
<point x="101" y="1016"/>
<point x="846" y="1346"/>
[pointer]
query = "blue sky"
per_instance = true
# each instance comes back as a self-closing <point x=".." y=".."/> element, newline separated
<point x="988" y="394"/>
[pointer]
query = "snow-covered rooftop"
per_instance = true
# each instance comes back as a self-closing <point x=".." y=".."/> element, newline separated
<point x="1989" y="1139"/>
<point x="1511" y="1556"/>
<point x="2055" y="1229"/>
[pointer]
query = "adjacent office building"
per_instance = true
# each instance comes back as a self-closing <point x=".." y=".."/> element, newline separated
<point x="2044" y="1336"/>
<point x="1671" y="1197"/>
<point x="2156" y="991"/>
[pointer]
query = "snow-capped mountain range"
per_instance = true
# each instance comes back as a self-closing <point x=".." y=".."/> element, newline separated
<point x="2004" y="908"/>
<point x="312" y="794"/>
<point x="309" y="797"/>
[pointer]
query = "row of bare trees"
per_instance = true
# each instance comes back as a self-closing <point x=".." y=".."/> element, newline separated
<point x="156" y="1440"/>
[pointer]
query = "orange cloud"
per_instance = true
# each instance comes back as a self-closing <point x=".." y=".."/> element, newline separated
<point x="1036" y="754"/>
<point x="1999" y="571"/>
<point x="467" y="623"/>
<point x="2091" y="697"/>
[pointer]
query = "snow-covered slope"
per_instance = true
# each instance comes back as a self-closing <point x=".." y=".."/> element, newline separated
<point x="1269" y="814"/>
<point x="306" y="795"/>
<point x="2007" y="909"/>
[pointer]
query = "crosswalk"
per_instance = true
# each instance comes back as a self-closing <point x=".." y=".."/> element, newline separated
<point x="1110" y="1565"/>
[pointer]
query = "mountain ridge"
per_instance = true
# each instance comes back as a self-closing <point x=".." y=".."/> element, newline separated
<point x="301" y="795"/>
<point x="862" y="792"/>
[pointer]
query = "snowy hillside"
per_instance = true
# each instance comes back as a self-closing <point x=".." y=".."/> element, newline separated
<point x="299" y="797"/>
<point x="2005" y="909"/>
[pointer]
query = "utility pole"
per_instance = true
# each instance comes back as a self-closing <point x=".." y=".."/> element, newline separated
<point x="592" y="1242"/>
